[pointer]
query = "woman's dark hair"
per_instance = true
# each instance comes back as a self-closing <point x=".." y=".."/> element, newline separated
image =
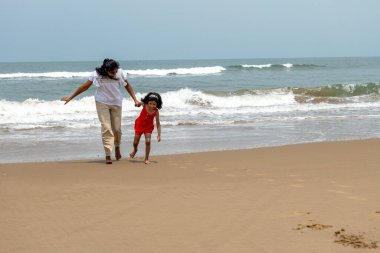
<point x="108" y="65"/>
<point x="153" y="96"/>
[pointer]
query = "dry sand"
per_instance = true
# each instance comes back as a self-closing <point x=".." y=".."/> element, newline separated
<point x="321" y="197"/>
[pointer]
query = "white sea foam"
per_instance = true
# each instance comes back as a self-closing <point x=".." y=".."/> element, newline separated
<point x="44" y="75"/>
<point x="257" y="66"/>
<point x="177" y="71"/>
<point x="140" y="72"/>
<point x="262" y="66"/>
<point x="184" y="106"/>
<point x="288" y="65"/>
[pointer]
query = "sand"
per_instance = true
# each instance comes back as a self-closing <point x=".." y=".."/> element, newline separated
<point x="321" y="197"/>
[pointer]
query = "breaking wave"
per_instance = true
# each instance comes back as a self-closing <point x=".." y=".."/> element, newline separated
<point x="139" y="72"/>
<point x="184" y="104"/>
<point x="273" y="66"/>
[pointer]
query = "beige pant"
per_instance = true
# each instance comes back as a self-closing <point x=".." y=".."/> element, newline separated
<point x="110" y="119"/>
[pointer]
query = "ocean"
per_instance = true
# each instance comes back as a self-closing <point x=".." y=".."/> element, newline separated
<point x="208" y="105"/>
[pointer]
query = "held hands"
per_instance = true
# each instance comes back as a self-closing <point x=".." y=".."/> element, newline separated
<point x="66" y="99"/>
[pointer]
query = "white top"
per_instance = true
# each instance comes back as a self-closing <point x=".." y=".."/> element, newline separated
<point x="108" y="90"/>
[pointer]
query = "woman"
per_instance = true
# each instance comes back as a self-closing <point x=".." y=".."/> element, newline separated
<point x="108" y="79"/>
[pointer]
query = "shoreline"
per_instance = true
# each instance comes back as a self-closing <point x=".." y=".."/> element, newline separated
<point x="314" y="197"/>
<point x="125" y="151"/>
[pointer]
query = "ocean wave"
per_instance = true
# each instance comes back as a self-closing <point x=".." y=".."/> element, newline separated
<point x="208" y="70"/>
<point x="328" y="91"/>
<point x="177" y="71"/>
<point x="273" y="66"/>
<point x="47" y="75"/>
<point x="184" y="104"/>
<point x="140" y="72"/>
<point x="340" y="90"/>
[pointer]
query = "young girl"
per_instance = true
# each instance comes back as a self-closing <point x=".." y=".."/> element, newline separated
<point x="144" y="123"/>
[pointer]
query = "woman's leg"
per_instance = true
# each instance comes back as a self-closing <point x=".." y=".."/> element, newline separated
<point x="147" y="147"/>
<point x="135" y="145"/>
<point x="107" y="134"/>
<point x="116" y="128"/>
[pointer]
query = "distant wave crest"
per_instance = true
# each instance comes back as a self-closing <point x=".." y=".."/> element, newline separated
<point x="48" y="75"/>
<point x="208" y="70"/>
<point x="177" y="71"/>
<point x="140" y="72"/>
<point x="340" y="90"/>
<point x="272" y="66"/>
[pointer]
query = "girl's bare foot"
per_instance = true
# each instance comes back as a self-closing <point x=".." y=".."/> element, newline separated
<point x="108" y="160"/>
<point x="147" y="162"/>
<point x="133" y="153"/>
<point x="117" y="153"/>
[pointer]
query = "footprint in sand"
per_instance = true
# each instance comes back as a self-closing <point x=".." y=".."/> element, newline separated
<point x="357" y="240"/>
<point x="314" y="226"/>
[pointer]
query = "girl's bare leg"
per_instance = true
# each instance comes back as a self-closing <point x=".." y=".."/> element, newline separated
<point x="147" y="147"/>
<point x="135" y="145"/>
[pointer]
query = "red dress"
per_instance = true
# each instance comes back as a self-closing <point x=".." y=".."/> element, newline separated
<point x="144" y="123"/>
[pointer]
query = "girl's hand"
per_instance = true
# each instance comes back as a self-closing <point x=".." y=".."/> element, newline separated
<point x="158" y="138"/>
<point x="138" y="103"/>
<point x="66" y="99"/>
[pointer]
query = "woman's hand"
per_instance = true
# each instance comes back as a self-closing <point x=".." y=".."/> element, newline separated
<point x="81" y="89"/>
<point x="158" y="138"/>
<point x="66" y="99"/>
<point x="138" y="103"/>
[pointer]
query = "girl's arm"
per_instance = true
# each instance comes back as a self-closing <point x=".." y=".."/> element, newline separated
<point x="81" y="89"/>
<point x="158" y="126"/>
<point x="129" y="89"/>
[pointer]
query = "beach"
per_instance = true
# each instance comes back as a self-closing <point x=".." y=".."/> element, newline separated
<point x="316" y="197"/>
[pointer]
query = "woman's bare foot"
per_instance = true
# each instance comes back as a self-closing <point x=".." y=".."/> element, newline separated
<point x="133" y="153"/>
<point x="147" y="162"/>
<point x="117" y="153"/>
<point x="108" y="160"/>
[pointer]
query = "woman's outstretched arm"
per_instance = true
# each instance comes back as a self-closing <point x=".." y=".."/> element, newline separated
<point x="81" y="89"/>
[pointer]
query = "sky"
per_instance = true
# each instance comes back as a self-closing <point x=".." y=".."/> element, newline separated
<point x="81" y="30"/>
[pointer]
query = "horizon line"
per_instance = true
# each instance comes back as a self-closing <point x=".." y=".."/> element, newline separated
<point x="190" y="59"/>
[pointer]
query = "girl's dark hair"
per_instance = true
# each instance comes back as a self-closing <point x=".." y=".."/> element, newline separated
<point x="108" y="65"/>
<point x="153" y="96"/>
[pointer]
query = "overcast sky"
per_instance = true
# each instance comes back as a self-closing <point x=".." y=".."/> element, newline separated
<point x="64" y="30"/>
